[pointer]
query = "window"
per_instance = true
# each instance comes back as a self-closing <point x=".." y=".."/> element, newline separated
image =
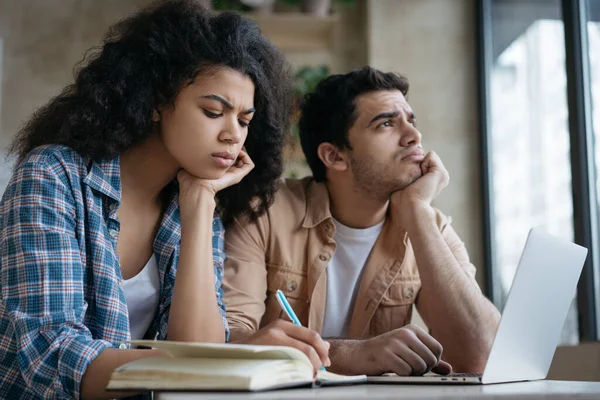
<point x="529" y="119"/>
<point x="593" y="31"/>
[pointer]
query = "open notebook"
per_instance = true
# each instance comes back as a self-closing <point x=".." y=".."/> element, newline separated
<point x="207" y="366"/>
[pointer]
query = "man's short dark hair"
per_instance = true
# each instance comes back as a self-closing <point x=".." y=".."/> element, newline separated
<point x="329" y="112"/>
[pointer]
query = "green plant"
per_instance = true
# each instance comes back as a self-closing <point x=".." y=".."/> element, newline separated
<point x="229" y="5"/>
<point x="305" y="81"/>
<point x="342" y="2"/>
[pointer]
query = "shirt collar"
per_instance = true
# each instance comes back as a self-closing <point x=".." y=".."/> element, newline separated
<point x="317" y="204"/>
<point x="105" y="177"/>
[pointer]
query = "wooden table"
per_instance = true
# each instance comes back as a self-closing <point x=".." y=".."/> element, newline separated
<point x="522" y="390"/>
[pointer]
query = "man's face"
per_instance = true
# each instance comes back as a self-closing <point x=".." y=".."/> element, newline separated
<point x="386" y="146"/>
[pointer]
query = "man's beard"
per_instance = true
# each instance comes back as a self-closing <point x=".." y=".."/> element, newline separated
<point x="378" y="180"/>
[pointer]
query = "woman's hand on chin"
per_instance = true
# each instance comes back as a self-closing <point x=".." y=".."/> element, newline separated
<point x="191" y="188"/>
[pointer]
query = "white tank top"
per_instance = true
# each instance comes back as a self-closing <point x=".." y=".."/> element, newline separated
<point x="142" y="293"/>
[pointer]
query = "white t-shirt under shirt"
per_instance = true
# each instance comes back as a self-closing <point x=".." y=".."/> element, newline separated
<point x="344" y="272"/>
<point x="142" y="293"/>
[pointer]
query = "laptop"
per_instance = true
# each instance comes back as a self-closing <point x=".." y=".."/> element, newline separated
<point x="533" y="317"/>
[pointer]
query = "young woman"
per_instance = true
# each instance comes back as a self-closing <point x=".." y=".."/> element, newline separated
<point x="111" y="227"/>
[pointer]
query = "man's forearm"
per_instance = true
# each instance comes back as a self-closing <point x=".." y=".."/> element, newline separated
<point x="458" y="314"/>
<point x="341" y="355"/>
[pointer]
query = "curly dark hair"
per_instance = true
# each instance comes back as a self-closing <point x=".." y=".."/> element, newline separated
<point x="143" y="63"/>
<point x="329" y="112"/>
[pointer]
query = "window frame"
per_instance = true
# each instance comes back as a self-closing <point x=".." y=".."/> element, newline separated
<point x="583" y="166"/>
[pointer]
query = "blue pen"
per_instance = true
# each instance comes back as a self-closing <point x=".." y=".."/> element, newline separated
<point x="285" y="305"/>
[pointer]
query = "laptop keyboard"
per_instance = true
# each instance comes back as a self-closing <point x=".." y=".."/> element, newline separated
<point x="462" y="375"/>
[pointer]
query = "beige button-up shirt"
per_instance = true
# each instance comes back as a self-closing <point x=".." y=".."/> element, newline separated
<point x="289" y="247"/>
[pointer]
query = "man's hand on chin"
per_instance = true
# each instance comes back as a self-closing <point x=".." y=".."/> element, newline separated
<point x="416" y="198"/>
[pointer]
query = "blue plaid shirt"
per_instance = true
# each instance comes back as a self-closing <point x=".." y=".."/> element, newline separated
<point x="61" y="303"/>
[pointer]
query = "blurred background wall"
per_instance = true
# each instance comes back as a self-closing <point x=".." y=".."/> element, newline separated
<point x="430" y="41"/>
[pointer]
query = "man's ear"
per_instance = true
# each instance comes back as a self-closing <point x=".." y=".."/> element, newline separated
<point x="155" y="115"/>
<point x="332" y="157"/>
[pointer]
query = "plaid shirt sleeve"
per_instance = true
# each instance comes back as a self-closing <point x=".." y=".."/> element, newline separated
<point x="42" y="281"/>
<point x="218" y="244"/>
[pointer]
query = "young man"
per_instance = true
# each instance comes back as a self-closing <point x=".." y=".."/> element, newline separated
<point x="355" y="246"/>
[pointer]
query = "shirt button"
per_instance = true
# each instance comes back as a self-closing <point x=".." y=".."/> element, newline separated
<point x="409" y="293"/>
<point x="113" y="233"/>
<point x="291" y="286"/>
<point x="112" y="208"/>
<point x="122" y="346"/>
<point x="324" y="257"/>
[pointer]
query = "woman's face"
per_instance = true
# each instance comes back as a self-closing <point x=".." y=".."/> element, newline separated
<point x="207" y="126"/>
